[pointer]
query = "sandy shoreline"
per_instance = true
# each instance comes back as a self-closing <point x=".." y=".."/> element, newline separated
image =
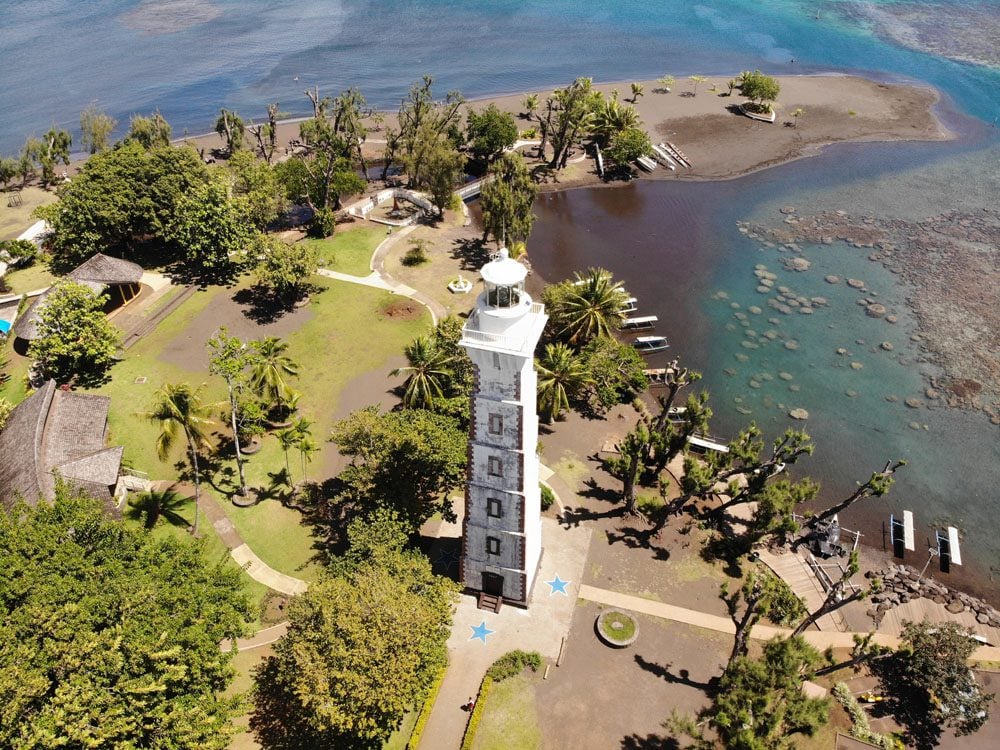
<point x="719" y="143"/>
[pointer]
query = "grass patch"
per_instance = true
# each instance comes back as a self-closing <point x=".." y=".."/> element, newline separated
<point x="399" y="739"/>
<point x="15" y="389"/>
<point x="15" y="219"/>
<point x="347" y="335"/>
<point x="349" y="250"/>
<point x="616" y="625"/>
<point x="24" y="280"/>
<point x="510" y="718"/>
<point x="649" y="502"/>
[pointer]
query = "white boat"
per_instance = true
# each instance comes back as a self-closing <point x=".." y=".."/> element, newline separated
<point x="646" y="163"/>
<point x="707" y="443"/>
<point x="650" y="343"/>
<point x="631" y="305"/>
<point x="642" y="321"/>
<point x="664" y="158"/>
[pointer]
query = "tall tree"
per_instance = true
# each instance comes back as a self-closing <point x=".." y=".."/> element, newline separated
<point x="257" y="184"/>
<point x="362" y="648"/>
<point x="179" y="410"/>
<point x="562" y="375"/>
<point x="349" y="112"/>
<point x="121" y="200"/>
<point x="149" y="132"/>
<point x="211" y="228"/>
<point x="877" y="485"/>
<point x="96" y="128"/>
<point x="568" y="115"/>
<point x="49" y="150"/>
<point x="490" y="132"/>
<point x="110" y="636"/>
<point x="612" y="118"/>
<point x="628" y="465"/>
<point x="507" y="197"/>
<point x="589" y="308"/>
<point x="762" y="594"/>
<point x="837" y="595"/>
<point x="443" y="170"/>
<point x="271" y="371"/>
<point x="233" y="360"/>
<point x="285" y="267"/>
<point x="326" y="164"/>
<point x="231" y="127"/>
<point x="427" y="373"/>
<point x="423" y="121"/>
<point x="408" y="461"/>
<point x="760" y="705"/>
<point x="75" y="340"/>
<point x="266" y="134"/>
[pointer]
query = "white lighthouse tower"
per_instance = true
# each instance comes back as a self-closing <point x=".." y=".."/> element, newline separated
<point x="502" y="530"/>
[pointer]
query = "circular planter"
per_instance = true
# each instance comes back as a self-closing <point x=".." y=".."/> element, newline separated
<point x="300" y="303"/>
<point x="245" y="501"/>
<point x="251" y="447"/>
<point x="616" y="628"/>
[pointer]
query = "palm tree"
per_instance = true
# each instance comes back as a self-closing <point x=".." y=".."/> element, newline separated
<point x="561" y="375"/>
<point x="157" y="504"/>
<point x="638" y="90"/>
<point x="665" y="83"/>
<point x="179" y="409"/>
<point x="696" y="80"/>
<point x="270" y="372"/>
<point x="288" y="438"/>
<point x="428" y="369"/>
<point x="612" y="117"/>
<point x="591" y="307"/>
<point x="530" y="104"/>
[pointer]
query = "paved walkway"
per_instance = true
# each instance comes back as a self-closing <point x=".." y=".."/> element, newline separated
<point x="543" y="628"/>
<point x="820" y="639"/>
<point x="263" y="637"/>
<point x="245" y="557"/>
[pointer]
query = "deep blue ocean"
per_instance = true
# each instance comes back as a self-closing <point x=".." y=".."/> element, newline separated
<point x="188" y="58"/>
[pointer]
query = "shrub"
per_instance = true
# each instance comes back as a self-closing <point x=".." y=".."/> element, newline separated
<point x="456" y="203"/>
<point x="548" y="496"/>
<point x="517" y="249"/>
<point x="513" y="663"/>
<point x="425" y="713"/>
<point x="417" y="254"/>
<point x="323" y="223"/>
<point x="22" y="253"/>
<point x="529" y="134"/>
<point x="860" y="729"/>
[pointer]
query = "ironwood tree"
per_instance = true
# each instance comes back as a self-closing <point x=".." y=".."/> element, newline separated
<point x="507" y="197"/>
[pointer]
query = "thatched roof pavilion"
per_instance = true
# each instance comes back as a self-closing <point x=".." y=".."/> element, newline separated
<point x="97" y="273"/>
<point x="58" y="432"/>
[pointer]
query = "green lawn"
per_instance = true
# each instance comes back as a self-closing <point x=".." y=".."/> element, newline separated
<point x="348" y="334"/>
<point x="15" y="387"/>
<point x="350" y="250"/>
<point x="25" y="280"/>
<point x="511" y="716"/>
<point x="15" y="219"/>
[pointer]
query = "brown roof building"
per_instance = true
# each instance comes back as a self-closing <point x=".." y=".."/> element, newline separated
<point x="97" y="273"/>
<point x="56" y="432"/>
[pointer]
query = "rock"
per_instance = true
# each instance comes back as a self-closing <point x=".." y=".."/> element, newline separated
<point x="875" y="310"/>
<point x="982" y="618"/>
<point x="798" y="414"/>
<point x="856" y="365"/>
<point x="914" y="403"/>
<point x="785" y="375"/>
<point x="734" y="305"/>
<point x="842" y="351"/>
<point x="740" y="315"/>
<point x="753" y="309"/>
<point x="729" y="371"/>
<point x="774" y="321"/>
<point x="859" y="342"/>
<point x="955" y="606"/>
<point x="794" y="388"/>
<point x="743" y="410"/>
<point x="939" y="599"/>
<point x="932" y="393"/>
<point x="886" y="346"/>
<point x="798" y="263"/>
<point x="805" y="311"/>
<point x="763" y="289"/>
<point x="914" y="425"/>
<point x="753" y="384"/>
<point x="856" y="283"/>
<point x="831" y="279"/>
<point x="787" y="209"/>
<point x="891" y="398"/>
<point x="891" y="319"/>
<point x="851" y="394"/>
<point x="784" y="309"/>
<point x="819" y="301"/>
<point x="791" y="345"/>
<point x="760" y="267"/>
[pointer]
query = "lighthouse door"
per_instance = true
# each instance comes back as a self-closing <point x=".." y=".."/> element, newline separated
<point x="493" y="584"/>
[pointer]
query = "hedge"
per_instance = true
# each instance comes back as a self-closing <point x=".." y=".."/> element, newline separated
<point x="425" y="713"/>
<point x="477" y="713"/>
<point x="860" y="728"/>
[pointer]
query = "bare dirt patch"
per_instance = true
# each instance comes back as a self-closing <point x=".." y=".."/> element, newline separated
<point x="402" y="309"/>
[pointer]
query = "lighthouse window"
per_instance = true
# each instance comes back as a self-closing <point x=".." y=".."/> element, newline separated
<point x="494" y="466"/>
<point x="492" y="545"/>
<point x="496" y="360"/>
<point x="494" y="508"/>
<point x="496" y="424"/>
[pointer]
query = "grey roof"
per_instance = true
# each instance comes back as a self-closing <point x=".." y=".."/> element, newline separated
<point x="96" y="273"/>
<point x="57" y="432"/>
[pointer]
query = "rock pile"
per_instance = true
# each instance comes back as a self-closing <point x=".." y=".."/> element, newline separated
<point x="902" y="584"/>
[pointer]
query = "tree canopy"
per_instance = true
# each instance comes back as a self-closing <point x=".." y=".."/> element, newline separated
<point x="490" y="132"/>
<point x="75" y="339"/>
<point x="284" y="267"/>
<point x="363" y="647"/>
<point x="110" y="638"/>
<point x="506" y="200"/>
<point x="209" y="228"/>
<point x="405" y="460"/>
<point x="120" y="200"/>
<point x="759" y="88"/>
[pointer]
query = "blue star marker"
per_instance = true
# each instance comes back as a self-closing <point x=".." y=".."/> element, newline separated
<point x="558" y="586"/>
<point x="480" y="632"/>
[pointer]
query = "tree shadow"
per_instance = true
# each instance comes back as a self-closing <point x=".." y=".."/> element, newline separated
<point x="544" y="174"/>
<point x="191" y="274"/>
<point x="472" y="254"/>
<point x="683" y="676"/>
<point x="261" y="305"/>
<point x="575" y="516"/>
<point x="908" y="704"/>
<point x="649" y="742"/>
<point x="151" y="506"/>
<point x="594" y="491"/>
<point x="635" y="537"/>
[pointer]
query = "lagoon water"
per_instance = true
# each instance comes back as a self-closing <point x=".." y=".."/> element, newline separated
<point x="677" y="245"/>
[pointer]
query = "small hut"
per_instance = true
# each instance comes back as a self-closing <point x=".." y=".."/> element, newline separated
<point x="62" y="433"/>
<point x="98" y="273"/>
